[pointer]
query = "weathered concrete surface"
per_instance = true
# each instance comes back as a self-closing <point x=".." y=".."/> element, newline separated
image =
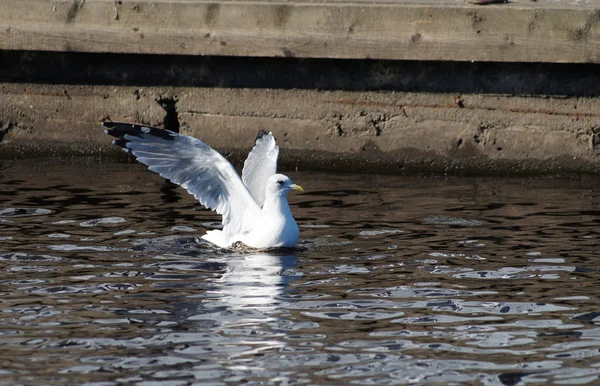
<point x="420" y="85"/>
<point x="385" y="131"/>
<point x="519" y="31"/>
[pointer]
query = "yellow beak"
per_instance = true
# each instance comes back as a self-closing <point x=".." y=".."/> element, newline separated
<point x="296" y="187"/>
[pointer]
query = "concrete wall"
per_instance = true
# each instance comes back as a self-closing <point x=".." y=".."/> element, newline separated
<point x="424" y="100"/>
<point x="523" y="31"/>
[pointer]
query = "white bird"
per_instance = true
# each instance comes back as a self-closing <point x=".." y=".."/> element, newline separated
<point x="254" y="208"/>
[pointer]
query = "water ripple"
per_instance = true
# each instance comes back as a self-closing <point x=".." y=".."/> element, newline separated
<point x="23" y="212"/>
<point x="402" y="280"/>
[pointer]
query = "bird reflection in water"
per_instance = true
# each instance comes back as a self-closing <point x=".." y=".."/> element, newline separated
<point x="255" y="280"/>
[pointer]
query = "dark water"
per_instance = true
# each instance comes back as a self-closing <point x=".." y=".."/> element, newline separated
<point x="399" y="280"/>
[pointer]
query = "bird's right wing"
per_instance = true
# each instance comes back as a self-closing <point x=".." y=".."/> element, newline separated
<point x="190" y="163"/>
<point x="260" y="165"/>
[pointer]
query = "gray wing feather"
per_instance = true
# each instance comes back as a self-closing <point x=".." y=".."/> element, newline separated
<point x="193" y="165"/>
<point x="260" y="165"/>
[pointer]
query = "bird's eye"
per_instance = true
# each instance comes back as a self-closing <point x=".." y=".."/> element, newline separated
<point x="280" y="182"/>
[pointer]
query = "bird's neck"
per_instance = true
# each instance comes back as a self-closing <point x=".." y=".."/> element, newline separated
<point x="277" y="204"/>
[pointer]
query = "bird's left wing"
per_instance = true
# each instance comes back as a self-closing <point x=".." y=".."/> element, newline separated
<point x="260" y="165"/>
<point x="195" y="166"/>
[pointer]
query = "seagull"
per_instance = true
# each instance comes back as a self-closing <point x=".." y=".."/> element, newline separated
<point x="254" y="208"/>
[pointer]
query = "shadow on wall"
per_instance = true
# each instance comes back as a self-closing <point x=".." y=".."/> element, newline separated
<point x="287" y="73"/>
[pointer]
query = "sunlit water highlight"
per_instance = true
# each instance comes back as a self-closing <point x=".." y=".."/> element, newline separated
<point x="398" y="280"/>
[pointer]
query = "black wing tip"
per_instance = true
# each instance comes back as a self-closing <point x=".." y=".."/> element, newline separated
<point x="121" y="125"/>
<point x="119" y="130"/>
<point x="120" y="142"/>
<point x="117" y="125"/>
<point x="261" y="134"/>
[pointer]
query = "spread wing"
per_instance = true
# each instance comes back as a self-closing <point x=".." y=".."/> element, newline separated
<point x="196" y="167"/>
<point x="260" y="165"/>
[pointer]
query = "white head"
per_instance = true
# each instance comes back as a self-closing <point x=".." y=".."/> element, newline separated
<point x="281" y="185"/>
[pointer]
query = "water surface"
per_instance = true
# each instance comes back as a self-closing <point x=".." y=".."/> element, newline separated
<point x="398" y="280"/>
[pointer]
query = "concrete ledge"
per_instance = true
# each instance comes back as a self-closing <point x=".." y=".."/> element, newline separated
<point x="425" y="85"/>
<point x="523" y="31"/>
<point x="344" y="130"/>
